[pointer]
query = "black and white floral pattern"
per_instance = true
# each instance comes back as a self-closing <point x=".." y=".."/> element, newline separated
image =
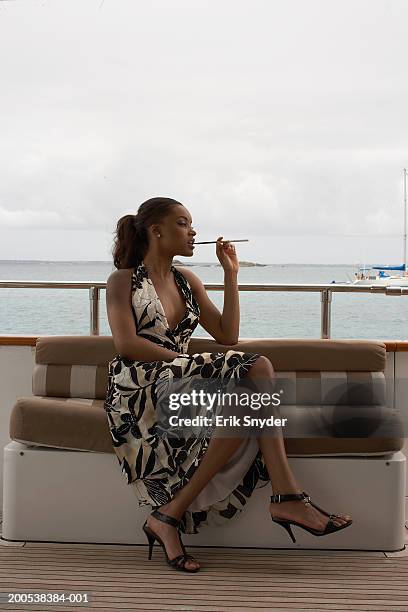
<point x="155" y="465"/>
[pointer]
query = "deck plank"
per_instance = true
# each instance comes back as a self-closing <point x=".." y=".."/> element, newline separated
<point x="231" y="580"/>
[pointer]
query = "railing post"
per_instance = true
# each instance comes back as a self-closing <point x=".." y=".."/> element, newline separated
<point x="325" y="298"/>
<point x="94" y="310"/>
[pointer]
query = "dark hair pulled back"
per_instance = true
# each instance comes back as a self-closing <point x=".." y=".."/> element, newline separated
<point x="131" y="236"/>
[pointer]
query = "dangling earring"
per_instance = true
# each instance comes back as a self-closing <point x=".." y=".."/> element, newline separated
<point x="158" y="235"/>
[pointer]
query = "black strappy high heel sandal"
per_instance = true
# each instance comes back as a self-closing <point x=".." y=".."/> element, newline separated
<point x="286" y="523"/>
<point x="179" y="563"/>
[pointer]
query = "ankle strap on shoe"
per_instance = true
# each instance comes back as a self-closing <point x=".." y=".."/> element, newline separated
<point x="278" y="498"/>
<point x="165" y="518"/>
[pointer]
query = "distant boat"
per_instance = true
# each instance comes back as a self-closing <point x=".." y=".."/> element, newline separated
<point x="368" y="276"/>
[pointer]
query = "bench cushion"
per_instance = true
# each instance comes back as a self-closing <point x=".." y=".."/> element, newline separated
<point x="70" y="382"/>
<point x="81" y="424"/>
<point x="285" y="353"/>
<point x="76" y="366"/>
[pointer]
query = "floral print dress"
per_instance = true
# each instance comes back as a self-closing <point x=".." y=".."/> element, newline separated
<point x="156" y="466"/>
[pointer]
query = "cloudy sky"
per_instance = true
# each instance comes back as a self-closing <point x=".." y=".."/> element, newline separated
<point x="282" y="122"/>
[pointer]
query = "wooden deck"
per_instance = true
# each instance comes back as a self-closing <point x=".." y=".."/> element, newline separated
<point x="121" y="577"/>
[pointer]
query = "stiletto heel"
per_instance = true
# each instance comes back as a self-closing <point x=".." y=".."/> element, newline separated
<point x="286" y="523"/>
<point x="150" y="538"/>
<point x="288" y="528"/>
<point x="179" y="562"/>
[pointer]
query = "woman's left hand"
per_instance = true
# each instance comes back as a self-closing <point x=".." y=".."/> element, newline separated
<point x="226" y="255"/>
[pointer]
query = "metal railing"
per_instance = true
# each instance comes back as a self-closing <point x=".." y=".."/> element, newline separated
<point x="325" y="291"/>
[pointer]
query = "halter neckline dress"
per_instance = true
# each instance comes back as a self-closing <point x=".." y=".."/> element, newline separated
<point x="155" y="466"/>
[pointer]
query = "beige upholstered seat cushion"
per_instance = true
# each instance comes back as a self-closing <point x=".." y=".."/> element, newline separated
<point x="70" y="380"/>
<point x="72" y="423"/>
<point x="81" y="424"/>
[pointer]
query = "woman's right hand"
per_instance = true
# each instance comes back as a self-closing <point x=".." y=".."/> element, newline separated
<point x="226" y="255"/>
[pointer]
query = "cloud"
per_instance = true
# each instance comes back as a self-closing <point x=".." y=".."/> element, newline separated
<point x="265" y="118"/>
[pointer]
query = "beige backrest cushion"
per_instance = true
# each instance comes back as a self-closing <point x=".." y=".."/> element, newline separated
<point x="285" y="353"/>
<point x="76" y="366"/>
<point x="303" y="354"/>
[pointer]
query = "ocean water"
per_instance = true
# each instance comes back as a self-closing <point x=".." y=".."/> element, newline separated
<point x="263" y="314"/>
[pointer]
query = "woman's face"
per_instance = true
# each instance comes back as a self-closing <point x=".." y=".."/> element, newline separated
<point x="176" y="232"/>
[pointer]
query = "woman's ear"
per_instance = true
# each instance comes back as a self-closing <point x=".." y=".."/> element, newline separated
<point x="153" y="229"/>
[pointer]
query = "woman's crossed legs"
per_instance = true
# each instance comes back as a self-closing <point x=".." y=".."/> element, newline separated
<point x="219" y="451"/>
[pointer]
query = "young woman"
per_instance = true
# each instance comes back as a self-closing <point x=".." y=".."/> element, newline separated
<point x="153" y="308"/>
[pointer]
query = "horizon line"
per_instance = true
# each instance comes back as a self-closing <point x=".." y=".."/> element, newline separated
<point x="103" y="261"/>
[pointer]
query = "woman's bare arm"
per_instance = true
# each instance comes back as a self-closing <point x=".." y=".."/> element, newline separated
<point x="122" y="322"/>
<point x="224" y="328"/>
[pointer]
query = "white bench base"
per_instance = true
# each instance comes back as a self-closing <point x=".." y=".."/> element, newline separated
<point x="53" y="495"/>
